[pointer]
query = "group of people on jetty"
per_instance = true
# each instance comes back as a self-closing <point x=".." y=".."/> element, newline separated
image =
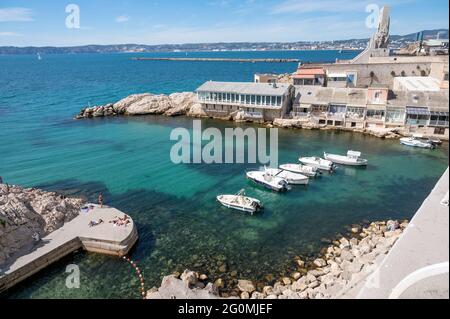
<point x="117" y="221"/>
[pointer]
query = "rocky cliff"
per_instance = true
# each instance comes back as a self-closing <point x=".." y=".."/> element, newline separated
<point x="146" y="104"/>
<point x="24" y="212"/>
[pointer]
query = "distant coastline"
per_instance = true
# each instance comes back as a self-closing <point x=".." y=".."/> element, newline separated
<point x="397" y="41"/>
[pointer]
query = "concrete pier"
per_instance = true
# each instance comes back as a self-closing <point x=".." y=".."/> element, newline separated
<point x="220" y="60"/>
<point x="417" y="267"/>
<point x="74" y="235"/>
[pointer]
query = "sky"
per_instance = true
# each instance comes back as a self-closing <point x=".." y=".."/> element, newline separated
<point x="44" y="22"/>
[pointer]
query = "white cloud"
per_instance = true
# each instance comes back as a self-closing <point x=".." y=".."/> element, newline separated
<point x="9" y="34"/>
<point x="308" y="6"/>
<point x="16" y="14"/>
<point x="122" y="19"/>
<point x="305" y="6"/>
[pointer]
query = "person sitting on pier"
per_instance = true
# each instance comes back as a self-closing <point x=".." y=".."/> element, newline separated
<point x="93" y="223"/>
<point x="124" y="221"/>
<point x="100" y="200"/>
<point x="36" y="237"/>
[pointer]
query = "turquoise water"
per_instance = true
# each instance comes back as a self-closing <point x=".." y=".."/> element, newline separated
<point x="180" y="224"/>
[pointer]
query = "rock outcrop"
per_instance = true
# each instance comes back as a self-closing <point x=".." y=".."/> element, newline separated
<point x="188" y="286"/>
<point x="24" y="212"/>
<point x="147" y="104"/>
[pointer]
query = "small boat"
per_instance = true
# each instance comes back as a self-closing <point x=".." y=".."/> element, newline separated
<point x="268" y="181"/>
<point x="301" y="169"/>
<point x="415" y="141"/>
<point x="290" y="177"/>
<point x="318" y="163"/>
<point x="352" y="159"/>
<point x="240" y="202"/>
<point x="435" y="141"/>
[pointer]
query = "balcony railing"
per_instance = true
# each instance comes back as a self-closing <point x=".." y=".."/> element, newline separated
<point x="439" y="123"/>
<point x="299" y="114"/>
<point x="416" y="122"/>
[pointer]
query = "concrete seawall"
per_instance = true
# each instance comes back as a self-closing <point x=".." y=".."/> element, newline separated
<point x="417" y="267"/>
<point x="105" y="239"/>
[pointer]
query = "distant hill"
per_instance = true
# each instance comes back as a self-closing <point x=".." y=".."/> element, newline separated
<point x="427" y="34"/>
<point x="353" y="44"/>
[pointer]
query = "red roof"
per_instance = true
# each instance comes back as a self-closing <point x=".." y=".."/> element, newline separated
<point x="308" y="73"/>
<point x="304" y="76"/>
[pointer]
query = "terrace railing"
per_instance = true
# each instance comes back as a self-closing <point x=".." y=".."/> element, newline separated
<point x="439" y="123"/>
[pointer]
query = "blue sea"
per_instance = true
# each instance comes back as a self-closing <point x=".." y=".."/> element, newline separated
<point x="179" y="222"/>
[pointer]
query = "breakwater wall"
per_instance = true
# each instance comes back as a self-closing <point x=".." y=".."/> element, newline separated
<point x="220" y="60"/>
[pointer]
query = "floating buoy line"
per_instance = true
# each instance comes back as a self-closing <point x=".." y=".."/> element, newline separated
<point x="139" y="274"/>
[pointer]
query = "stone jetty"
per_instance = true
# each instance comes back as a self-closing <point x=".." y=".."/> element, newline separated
<point x="335" y="274"/>
<point x="220" y="60"/>
<point x="38" y="228"/>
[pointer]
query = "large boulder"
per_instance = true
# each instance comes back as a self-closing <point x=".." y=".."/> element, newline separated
<point x="174" y="288"/>
<point x="246" y="286"/>
<point x="150" y="104"/>
<point x="197" y="110"/>
<point x="122" y="106"/>
<point x="181" y="103"/>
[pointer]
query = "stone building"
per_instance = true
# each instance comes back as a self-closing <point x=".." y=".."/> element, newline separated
<point x="375" y="107"/>
<point x="266" y="78"/>
<point x="255" y="101"/>
<point x="377" y="66"/>
<point x="309" y="76"/>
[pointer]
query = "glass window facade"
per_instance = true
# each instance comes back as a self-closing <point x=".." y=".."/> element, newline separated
<point x="263" y="100"/>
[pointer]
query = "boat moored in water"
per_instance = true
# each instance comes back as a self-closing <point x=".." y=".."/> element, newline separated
<point x="318" y="163"/>
<point x="269" y="181"/>
<point x="416" y="141"/>
<point x="240" y="202"/>
<point x="301" y="169"/>
<point x="435" y="141"/>
<point x="290" y="177"/>
<point x="352" y="159"/>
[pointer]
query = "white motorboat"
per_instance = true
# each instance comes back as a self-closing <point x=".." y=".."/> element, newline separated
<point x="290" y="177"/>
<point x="301" y="169"/>
<point x="352" y="159"/>
<point x="415" y="141"/>
<point x="318" y="163"/>
<point x="268" y="181"/>
<point x="435" y="141"/>
<point x="240" y="202"/>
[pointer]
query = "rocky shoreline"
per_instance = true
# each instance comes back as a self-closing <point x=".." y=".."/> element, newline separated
<point x="175" y="104"/>
<point x="184" y="104"/>
<point x="24" y="212"/>
<point x="341" y="267"/>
